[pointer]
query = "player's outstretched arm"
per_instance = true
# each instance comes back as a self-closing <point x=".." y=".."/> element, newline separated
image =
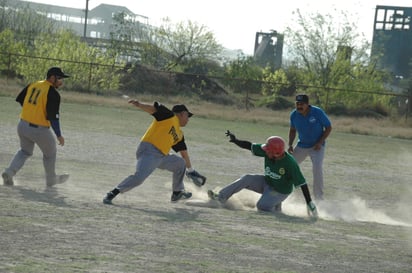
<point x="241" y="143"/>
<point x="149" y="108"/>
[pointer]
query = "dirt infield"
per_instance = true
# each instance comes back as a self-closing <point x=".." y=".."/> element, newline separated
<point x="364" y="225"/>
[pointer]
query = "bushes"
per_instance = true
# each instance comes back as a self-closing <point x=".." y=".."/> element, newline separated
<point x="374" y="111"/>
<point x="276" y="103"/>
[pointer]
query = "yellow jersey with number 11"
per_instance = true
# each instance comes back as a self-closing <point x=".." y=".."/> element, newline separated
<point x="34" y="108"/>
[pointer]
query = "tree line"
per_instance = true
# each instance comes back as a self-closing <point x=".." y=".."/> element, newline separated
<point x="330" y="63"/>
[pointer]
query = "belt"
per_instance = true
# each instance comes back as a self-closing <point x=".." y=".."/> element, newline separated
<point x="35" y="125"/>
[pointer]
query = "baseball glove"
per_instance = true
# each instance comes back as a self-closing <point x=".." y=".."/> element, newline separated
<point x="198" y="179"/>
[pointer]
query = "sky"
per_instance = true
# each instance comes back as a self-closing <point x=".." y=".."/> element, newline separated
<point x="235" y="23"/>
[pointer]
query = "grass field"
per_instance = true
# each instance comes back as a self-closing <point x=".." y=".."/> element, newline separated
<point x="365" y="222"/>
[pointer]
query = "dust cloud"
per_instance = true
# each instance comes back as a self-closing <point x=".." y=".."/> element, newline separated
<point x="243" y="200"/>
<point x="356" y="209"/>
<point x="351" y="210"/>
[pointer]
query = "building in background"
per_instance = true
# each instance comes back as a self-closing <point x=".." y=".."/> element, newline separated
<point x="100" y="20"/>
<point x="392" y="40"/>
<point x="268" y="52"/>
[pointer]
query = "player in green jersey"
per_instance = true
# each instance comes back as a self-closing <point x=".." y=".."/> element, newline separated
<point x="281" y="176"/>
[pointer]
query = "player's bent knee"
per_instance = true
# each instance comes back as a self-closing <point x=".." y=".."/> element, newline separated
<point x="26" y="153"/>
<point x="247" y="177"/>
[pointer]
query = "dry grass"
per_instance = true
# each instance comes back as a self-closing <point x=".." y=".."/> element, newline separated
<point x="364" y="225"/>
<point x="398" y="127"/>
<point x="388" y="127"/>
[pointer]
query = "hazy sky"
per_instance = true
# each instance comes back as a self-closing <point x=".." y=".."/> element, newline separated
<point x="235" y="23"/>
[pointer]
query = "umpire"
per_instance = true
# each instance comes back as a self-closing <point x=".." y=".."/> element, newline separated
<point x="40" y="103"/>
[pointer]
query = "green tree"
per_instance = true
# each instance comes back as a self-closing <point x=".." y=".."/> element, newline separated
<point x="90" y="67"/>
<point x="136" y="42"/>
<point x="243" y="73"/>
<point x="185" y="43"/>
<point x="334" y="60"/>
<point x="10" y="51"/>
<point x="151" y="54"/>
<point x="274" y="82"/>
<point x="243" y="76"/>
<point x="23" y="21"/>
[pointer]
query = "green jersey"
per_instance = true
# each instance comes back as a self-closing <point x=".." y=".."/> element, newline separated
<point x="284" y="174"/>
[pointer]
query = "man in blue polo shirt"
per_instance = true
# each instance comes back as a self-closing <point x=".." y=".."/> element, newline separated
<point x="313" y="127"/>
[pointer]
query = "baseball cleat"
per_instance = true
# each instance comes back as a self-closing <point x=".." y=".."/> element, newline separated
<point x="7" y="179"/>
<point x="215" y="197"/>
<point x="108" y="198"/>
<point x="180" y="195"/>
<point x="212" y="195"/>
<point x="59" y="179"/>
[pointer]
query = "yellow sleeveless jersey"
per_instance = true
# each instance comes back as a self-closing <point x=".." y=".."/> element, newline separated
<point x="164" y="134"/>
<point x="35" y="102"/>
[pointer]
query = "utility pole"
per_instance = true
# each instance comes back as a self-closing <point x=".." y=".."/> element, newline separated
<point x="85" y="18"/>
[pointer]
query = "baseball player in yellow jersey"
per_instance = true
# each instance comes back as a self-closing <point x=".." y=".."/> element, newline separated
<point x="153" y="151"/>
<point x="40" y="103"/>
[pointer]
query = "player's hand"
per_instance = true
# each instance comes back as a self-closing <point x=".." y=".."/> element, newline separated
<point x="317" y="146"/>
<point x="312" y="210"/>
<point x="134" y="102"/>
<point x="232" y="136"/>
<point x="60" y="139"/>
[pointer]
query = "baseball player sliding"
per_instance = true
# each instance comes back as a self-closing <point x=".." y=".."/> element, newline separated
<point x="163" y="134"/>
<point x="281" y="175"/>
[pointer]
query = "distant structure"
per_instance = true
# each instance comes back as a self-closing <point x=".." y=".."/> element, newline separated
<point x="392" y="39"/>
<point x="344" y="53"/>
<point x="267" y="52"/>
<point x="100" y="20"/>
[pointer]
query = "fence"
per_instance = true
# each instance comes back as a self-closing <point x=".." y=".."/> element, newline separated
<point x="90" y="77"/>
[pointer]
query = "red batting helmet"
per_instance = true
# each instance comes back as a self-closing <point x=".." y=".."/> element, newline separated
<point x="274" y="145"/>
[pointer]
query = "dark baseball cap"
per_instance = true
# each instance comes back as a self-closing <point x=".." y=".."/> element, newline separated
<point x="302" y="98"/>
<point x="181" y="108"/>
<point x="56" y="71"/>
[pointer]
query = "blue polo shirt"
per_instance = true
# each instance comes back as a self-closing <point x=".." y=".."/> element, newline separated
<point x="310" y="127"/>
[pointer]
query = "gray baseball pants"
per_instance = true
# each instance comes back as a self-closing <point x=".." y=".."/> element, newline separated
<point x="316" y="157"/>
<point x="148" y="159"/>
<point x="30" y="135"/>
<point x="257" y="183"/>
